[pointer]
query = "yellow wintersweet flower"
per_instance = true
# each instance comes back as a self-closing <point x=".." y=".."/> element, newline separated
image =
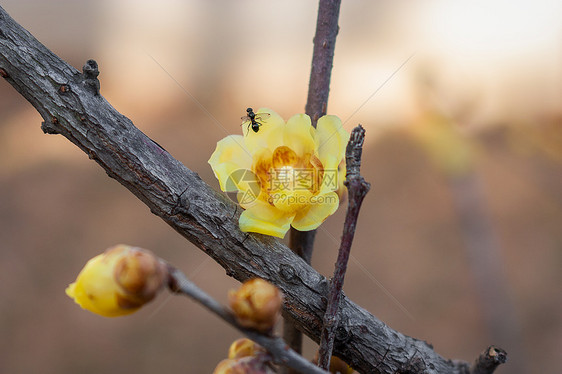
<point x="286" y="174"/>
<point x="119" y="281"/>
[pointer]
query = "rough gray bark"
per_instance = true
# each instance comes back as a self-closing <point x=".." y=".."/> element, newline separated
<point x="70" y="104"/>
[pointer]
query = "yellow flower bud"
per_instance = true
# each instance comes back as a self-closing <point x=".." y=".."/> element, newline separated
<point x="119" y="281"/>
<point x="337" y="365"/>
<point x="227" y="366"/>
<point x="256" y="304"/>
<point x="244" y="365"/>
<point x="244" y="347"/>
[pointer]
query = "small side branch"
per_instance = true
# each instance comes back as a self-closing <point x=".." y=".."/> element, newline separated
<point x="488" y="361"/>
<point x="357" y="189"/>
<point x="280" y="352"/>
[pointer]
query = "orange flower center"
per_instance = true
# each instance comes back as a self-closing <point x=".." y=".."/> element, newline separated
<point x="288" y="175"/>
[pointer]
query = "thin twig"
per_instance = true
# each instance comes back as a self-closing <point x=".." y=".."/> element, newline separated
<point x="357" y="189"/>
<point x="301" y="242"/>
<point x="278" y="349"/>
<point x="322" y="58"/>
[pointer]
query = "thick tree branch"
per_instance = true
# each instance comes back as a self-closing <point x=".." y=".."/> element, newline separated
<point x="65" y="99"/>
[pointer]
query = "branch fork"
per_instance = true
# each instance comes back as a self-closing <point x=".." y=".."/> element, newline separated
<point x="277" y="348"/>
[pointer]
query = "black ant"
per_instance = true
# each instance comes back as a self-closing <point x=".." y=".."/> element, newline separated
<point x="254" y="119"/>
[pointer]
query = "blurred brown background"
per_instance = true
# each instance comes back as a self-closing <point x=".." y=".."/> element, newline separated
<point x="459" y="241"/>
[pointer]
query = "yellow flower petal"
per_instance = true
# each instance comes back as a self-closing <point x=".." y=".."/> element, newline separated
<point x="268" y="135"/>
<point x="95" y="288"/>
<point x="342" y="189"/>
<point x="241" y="180"/>
<point x="262" y="167"/>
<point x="299" y="134"/>
<point x="248" y="197"/>
<point x="321" y="207"/>
<point x="265" y="219"/>
<point x="331" y="140"/>
<point x="292" y="201"/>
<point x="229" y="161"/>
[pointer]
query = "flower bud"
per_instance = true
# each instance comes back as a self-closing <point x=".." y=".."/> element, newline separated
<point x="256" y="304"/>
<point x="244" y="365"/>
<point x="119" y="281"/>
<point x="244" y="347"/>
<point x="337" y="365"/>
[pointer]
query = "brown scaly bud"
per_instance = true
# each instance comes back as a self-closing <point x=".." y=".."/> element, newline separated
<point x="244" y="347"/>
<point x="141" y="275"/>
<point x="244" y="365"/>
<point x="256" y="304"/>
<point x="337" y="365"/>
